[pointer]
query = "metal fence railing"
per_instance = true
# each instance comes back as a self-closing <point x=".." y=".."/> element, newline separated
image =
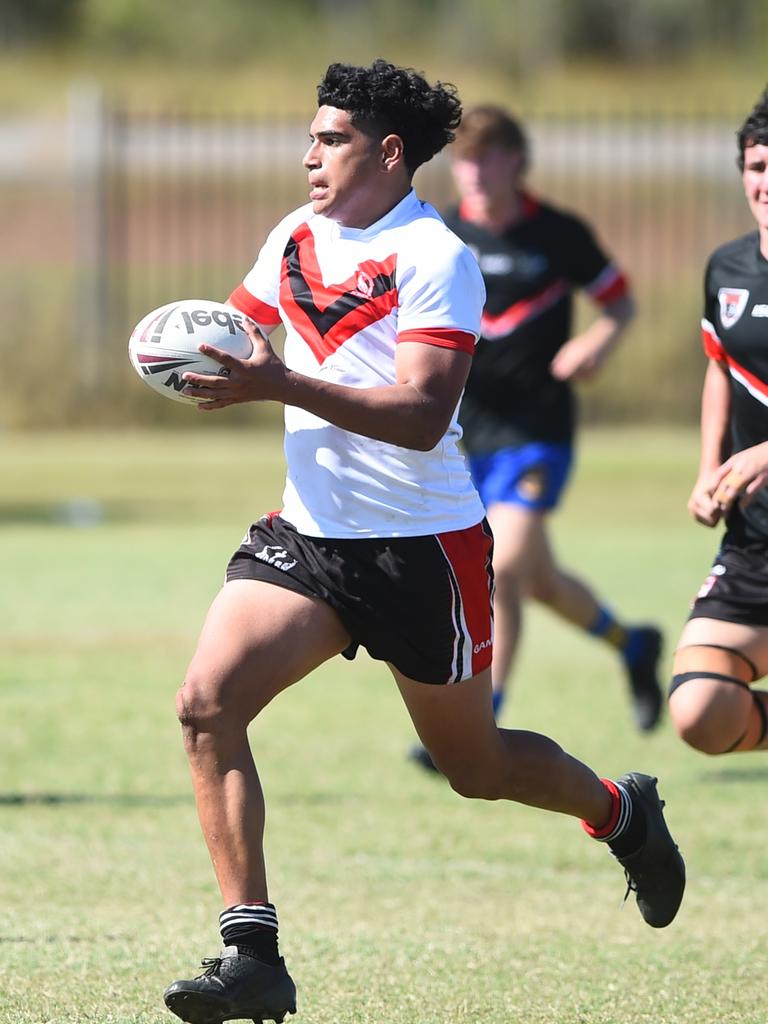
<point x="107" y="214"/>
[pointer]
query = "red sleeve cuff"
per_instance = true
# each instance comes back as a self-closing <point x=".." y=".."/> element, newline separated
<point x="463" y="341"/>
<point x="257" y="310"/>
<point x="615" y="287"/>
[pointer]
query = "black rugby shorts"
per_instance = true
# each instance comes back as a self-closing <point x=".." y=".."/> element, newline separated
<point x="421" y="603"/>
<point x="736" y="588"/>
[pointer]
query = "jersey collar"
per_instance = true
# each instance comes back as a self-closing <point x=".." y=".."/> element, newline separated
<point x="394" y="216"/>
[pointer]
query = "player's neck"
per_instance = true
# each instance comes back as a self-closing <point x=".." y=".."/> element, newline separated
<point x="497" y="215"/>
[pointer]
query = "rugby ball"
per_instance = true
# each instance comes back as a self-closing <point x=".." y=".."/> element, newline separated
<point x="164" y="344"/>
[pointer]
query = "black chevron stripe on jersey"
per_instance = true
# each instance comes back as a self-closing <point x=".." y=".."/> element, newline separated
<point x="324" y="320"/>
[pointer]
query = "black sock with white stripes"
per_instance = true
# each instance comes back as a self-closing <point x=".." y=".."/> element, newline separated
<point x="252" y="927"/>
<point x="624" y="831"/>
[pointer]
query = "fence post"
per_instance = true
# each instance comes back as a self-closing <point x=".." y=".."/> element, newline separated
<point x="88" y="168"/>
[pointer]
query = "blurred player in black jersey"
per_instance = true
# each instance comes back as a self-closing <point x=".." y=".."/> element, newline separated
<point x="518" y="410"/>
<point x="723" y="649"/>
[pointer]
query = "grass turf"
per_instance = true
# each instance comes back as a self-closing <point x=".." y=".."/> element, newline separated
<point x="398" y="901"/>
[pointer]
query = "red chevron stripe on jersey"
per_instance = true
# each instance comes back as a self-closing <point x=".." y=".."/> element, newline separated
<point x="713" y="347"/>
<point x="257" y="310"/>
<point x="518" y="313"/>
<point x="328" y="315"/>
<point x="756" y="387"/>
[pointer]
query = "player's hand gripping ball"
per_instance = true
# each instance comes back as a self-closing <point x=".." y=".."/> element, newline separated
<point x="164" y="344"/>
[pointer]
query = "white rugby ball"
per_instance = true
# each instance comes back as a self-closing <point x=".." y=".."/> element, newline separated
<point x="164" y="344"/>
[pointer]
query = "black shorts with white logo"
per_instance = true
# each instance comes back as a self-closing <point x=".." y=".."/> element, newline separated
<point x="736" y="589"/>
<point x="424" y="604"/>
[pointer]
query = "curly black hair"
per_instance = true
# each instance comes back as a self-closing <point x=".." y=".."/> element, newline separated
<point x="754" y="131"/>
<point x="384" y="99"/>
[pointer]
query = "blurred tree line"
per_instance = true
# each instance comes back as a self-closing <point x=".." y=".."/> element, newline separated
<point x="520" y="37"/>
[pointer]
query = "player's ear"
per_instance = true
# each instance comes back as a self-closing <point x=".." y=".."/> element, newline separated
<point x="392" y="152"/>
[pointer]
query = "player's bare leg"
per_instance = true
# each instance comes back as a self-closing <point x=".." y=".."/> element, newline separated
<point x="247" y="654"/>
<point x="525" y="566"/>
<point x="457" y="726"/>
<point x="713" y="703"/>
<point x="511" y="527"/>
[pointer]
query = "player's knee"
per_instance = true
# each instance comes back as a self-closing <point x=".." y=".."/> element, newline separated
<point x="710" y="702"/>
<point x="473" y="780"/>
<point x="199" y="705"/>
<point x="701" y="729"/>
<point x="473" y="785"/>
<point x="542" y="586"/>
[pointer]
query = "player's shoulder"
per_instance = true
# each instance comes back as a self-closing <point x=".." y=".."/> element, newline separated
<point x="427" y="220"/>
<point x="430" y="233"/>
<point x="738" y="252"/>
<point x="285" y="227"/>
<point x="555" y="217"/>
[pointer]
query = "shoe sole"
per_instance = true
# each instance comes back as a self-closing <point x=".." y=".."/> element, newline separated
<point x="197" y="1009"/>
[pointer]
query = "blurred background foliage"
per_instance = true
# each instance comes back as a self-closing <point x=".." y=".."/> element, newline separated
<point x="146" y="147"/>
<point x="523" y="33"/>
<point x="677" y="53"/>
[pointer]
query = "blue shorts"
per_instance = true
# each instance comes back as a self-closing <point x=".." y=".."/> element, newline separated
<point x="532" y="475"/>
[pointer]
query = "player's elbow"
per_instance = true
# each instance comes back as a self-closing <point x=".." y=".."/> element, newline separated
<point x="426" y="436"/>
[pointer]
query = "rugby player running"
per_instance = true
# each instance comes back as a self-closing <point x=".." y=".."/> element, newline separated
<point x="381" y="541"/>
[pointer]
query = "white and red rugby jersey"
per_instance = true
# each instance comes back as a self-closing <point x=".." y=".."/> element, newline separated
<point x="346" y="297"/>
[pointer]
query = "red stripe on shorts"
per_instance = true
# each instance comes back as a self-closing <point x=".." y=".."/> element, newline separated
<point x="469" y="554"/>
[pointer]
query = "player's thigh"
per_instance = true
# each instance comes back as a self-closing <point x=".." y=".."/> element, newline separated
<point x="257" y="640"/>
<point x="520" y="544"/>
<point x="748" y="640"/>
<point x="454" y="722"/>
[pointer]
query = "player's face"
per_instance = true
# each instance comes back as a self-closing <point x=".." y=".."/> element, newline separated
<point x="755" y="178"/>
<point x="345" y="170"/>
<point x="490" y="178"/>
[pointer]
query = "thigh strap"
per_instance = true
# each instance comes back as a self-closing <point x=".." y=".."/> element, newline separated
<point x="716" y="658"/>
<point x="685" y="677"/>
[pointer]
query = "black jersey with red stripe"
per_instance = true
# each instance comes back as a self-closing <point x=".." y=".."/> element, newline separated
<point x="530" y="271"/>
<point x="735" y="333"/>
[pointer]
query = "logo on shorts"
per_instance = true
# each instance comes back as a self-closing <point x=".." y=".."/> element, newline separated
<point x="482" y="646"/>
<point x="532" y="485"/>
<point x="706" y="587"/>
<point x="273" y="554"/>
<point x="732" y="303"/>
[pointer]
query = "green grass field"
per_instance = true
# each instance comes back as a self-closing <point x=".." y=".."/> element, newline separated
<point x="399" y="902"/>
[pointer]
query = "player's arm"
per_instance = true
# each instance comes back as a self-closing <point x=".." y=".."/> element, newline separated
<point x="414" y="412"/>
<point x="715" y="421"/>
<point x="265" y="316"/>
<point x="582" y="355"/>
